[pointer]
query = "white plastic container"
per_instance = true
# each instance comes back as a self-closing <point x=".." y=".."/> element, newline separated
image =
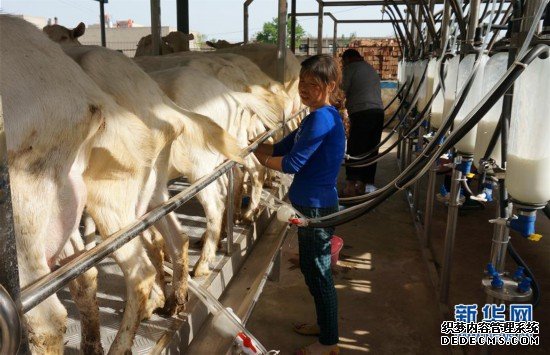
<point x="418" y="72"/>
<point x="467" y="144"/>
<point x="426" y="94"/>
<point x="439" y="101"/>
<point x="409" y="76"/>
<point x="528" y="168"/>
<point x="401" y="72"/>
<point x="449" y="95"/>
<point x="494" y="69"/>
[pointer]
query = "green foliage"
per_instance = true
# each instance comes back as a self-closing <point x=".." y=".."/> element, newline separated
<point x="269" y="33"/>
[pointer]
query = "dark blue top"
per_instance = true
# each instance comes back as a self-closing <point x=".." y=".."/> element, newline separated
<point x="314" y="153"/>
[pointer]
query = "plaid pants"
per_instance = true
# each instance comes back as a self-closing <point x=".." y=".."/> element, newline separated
<point x="314" y="246"/>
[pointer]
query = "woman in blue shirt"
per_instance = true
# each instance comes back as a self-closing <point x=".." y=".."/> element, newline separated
<point x="314" y="153"/>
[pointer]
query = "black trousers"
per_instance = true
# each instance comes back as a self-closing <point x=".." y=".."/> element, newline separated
<point x="365" y="134"/>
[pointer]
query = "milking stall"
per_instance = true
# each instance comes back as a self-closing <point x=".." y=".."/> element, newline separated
<point x="135" y="217"/>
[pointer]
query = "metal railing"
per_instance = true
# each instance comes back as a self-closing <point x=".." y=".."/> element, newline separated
<point x="10" y="325"/>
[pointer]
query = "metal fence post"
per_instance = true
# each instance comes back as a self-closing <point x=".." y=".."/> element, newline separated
<point x="230" y="211"/>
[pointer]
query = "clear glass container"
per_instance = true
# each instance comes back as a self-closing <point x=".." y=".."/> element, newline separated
<point x="528" y="168"/>
<point x="467" y="144"/>
<point x="494" y="70"/>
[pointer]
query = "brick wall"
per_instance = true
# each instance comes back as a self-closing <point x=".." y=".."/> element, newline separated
<point x="381" y="53"/>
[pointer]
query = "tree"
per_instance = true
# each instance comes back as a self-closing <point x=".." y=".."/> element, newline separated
<point x="269" y="32"/>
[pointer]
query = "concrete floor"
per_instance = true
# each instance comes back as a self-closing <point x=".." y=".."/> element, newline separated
<point x="387" y="304"/>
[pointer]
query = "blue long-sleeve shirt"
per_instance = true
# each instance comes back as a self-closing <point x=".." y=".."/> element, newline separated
<point x="313" y="153"/>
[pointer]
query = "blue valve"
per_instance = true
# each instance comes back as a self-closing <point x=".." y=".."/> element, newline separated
<point x="524" y="224"/>
<point x="425" y="123"/>
<point x="518" y="275"/>
<point x="465" y="167"/>
<point x="443" y="191"/>
<point x="525" y="285"/>
<point x="497" y="281"/>
<point x="488" y="191"/>
<point x="491" y="269"/>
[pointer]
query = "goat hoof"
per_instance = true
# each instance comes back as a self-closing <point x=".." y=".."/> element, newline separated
<point x="170" y="307"/>
<point x="201" y="269"/>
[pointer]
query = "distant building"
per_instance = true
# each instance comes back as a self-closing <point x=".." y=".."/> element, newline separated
<point x="39" y="22"/>
<point x="125" y="36"/>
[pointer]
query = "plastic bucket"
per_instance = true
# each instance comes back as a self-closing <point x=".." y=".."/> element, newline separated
<point x="336" y="244"/>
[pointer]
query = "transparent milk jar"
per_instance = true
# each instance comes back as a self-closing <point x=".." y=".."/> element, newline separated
<point x="528" y="168"/>
<point x="439" y="113"/>
<point x="439" y="101"/>
<point x="431" y="73"/>
<point x="419" y="67"/>
<point x="467" y="144"/>
<point x="494" y="70"/>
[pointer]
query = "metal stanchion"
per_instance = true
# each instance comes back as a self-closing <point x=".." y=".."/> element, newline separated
<point x="230" y="211"/>
<point x="428" y="214"/>
<point x="450" y="232"/>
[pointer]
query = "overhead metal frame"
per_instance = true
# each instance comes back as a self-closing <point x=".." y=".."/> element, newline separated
<point x="335" y="21"/>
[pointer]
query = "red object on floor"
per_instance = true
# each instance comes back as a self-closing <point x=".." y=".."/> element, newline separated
<point x="336" y="244"/>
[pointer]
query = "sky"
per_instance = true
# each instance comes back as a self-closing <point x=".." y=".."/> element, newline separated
<point x="216" y="19"/>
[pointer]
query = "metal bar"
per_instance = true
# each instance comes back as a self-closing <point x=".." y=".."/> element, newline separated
<point x="155" y="27"/>
<point x="182" y="10"/>
<point x="293" y="26"/>
<point x="9" y="272"/>
<point x="379" y="2"/>
<point x="45" y="287"/>
<point x="501" y="234"/>
<point x="473" y="20"/>
<point x="428" y="210"/>
<point x="419" y="36"/>
<point x="445" y="24"/>
<point x="450" y="232"/>
<point x="230" y="211"/>
<point x="405" y="26"/>
<point x="281" y="41"/>
<point x="102" y="22"/>
<point x="410" y="145"/>
<point x="320" y="28"/>
<point x="369" y="21"/>
<point x="10" y="325"/>
<point x="245" y="20"/>
<point x="372" y="3"/>
<point x="335" y="39"/>
<point x="457" y="8"/>
<point x="427" y="12"/>
<point x="416" y="186"/>
<point x="415" y="29"/>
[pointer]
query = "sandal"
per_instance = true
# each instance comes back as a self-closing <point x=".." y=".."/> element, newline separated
<point x="306" y="329"/>
<point x="335" y="350"/>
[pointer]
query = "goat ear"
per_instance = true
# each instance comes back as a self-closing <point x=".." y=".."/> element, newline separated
<point x="79" y="30"/>
<point x="210" y="44"/>
<point x="190" y="36"/>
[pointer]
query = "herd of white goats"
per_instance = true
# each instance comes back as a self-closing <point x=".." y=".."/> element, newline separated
<point x="89" y="128"/>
